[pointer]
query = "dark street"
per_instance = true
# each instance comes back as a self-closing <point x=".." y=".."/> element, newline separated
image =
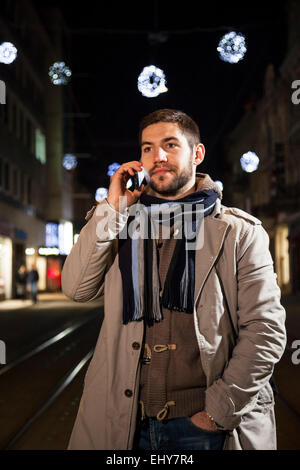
<point x="38" y="377"/>
<point x="45" y="344"/>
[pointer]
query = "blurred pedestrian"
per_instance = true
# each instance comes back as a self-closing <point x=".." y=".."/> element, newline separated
<point x="21" y="279"/>
<point x="32" y="279"/>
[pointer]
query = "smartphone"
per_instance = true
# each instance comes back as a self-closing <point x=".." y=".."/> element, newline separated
<point x="139" y="178"/>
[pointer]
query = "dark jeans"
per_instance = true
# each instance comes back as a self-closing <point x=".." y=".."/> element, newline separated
<point x="176" y="434"/>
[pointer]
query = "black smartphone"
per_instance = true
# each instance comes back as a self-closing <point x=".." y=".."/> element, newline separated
<point x="139" y="178"/>
<point x="135" y="181"/>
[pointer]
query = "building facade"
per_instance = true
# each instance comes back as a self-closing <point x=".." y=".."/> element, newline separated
<point x="270" y="127"/>
<point x="34" y="187"/>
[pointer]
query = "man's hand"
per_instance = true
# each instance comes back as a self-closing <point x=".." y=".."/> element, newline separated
<point x="202" y="420"/>
<point x="117" y="187"/>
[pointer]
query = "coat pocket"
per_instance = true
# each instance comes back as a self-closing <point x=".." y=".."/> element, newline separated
<point x="265" y="399"/>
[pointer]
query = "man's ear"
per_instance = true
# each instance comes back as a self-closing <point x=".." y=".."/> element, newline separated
<point x="199" y="154"/>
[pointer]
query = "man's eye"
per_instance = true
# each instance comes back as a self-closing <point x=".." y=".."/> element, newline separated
<point x="172" y="145"/>
<point x="147" y="149"/>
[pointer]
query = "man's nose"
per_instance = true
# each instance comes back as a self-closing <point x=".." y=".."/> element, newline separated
<point x="160" y="155"/>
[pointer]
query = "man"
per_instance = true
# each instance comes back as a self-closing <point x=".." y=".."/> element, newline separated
<point x="21" y="280"/>
<point x="191" y="332"/>
<point x="32" y="279"/>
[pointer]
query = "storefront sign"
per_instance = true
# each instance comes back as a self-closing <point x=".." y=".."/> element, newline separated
<point x="20" y="234"/>
<point x="48" y="251"/>
<point x="51" y="235"/>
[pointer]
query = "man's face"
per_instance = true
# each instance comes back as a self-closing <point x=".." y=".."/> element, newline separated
<point x="168" y="158"/>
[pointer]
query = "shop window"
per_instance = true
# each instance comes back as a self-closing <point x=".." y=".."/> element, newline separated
<point x="40" y="146"/>
<point x="2" y="92"/>
<point x="5" y="268"/>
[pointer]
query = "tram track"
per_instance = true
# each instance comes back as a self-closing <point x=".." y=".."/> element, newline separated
<point x="60" y="334"/>
<point x="31" y="383"/>
<point x="66" y="380"/>
<point x="36" y="380"/>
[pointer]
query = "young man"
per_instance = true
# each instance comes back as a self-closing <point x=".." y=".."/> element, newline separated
<point x="32" y="279"/>
<point x="193" y="326"/>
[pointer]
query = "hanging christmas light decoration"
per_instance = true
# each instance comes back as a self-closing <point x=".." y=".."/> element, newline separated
<point x="249" y="162"/>
<point x="59" y="73"/>
<point x="101" y="193"/>
<point x="113" y="168"/>
<point x="69" y="161"/>
<point x="8" y="52"/>
<point x="232" y="47"/>
<point x="152" y="82"/>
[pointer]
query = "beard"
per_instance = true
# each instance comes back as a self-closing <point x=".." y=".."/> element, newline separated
<point x="177" y="182"/>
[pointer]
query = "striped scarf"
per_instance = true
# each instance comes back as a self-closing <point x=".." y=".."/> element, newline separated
<point x="138" y="259"/>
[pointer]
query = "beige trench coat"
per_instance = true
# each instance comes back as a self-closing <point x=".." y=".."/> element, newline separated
<point x="239" y="325"/>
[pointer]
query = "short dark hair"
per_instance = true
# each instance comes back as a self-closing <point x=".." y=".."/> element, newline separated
<point x="186" y="124"/>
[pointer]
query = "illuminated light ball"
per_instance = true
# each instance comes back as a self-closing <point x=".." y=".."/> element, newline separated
<point x="232" y="47"/>
<point x="220" y="184"/>
<point x="101" y="193"/>
<point x="113" y="168"/>
<point x="249" y="162"/>
<point x="59" y="73"/>
<point x="69" y="162"/>
<point x="152" y="82"/>
<point x="8" y="52"/>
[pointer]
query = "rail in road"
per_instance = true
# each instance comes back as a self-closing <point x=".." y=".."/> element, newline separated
<point x="31" y="383"/>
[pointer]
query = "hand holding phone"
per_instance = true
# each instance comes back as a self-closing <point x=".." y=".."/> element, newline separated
<point x="122" y="183"/>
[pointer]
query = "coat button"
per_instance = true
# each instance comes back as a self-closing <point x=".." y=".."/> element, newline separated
<point x="128" y="393"/>
<point x="136" y="345"/>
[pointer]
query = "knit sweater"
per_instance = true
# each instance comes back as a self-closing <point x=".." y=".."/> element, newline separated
<point x="172" y="382"/>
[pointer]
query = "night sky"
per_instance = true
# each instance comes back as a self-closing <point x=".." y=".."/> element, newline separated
<point x="107" y="46"/>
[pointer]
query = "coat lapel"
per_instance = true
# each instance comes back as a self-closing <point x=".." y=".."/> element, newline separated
<point x="213" y="233"/>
